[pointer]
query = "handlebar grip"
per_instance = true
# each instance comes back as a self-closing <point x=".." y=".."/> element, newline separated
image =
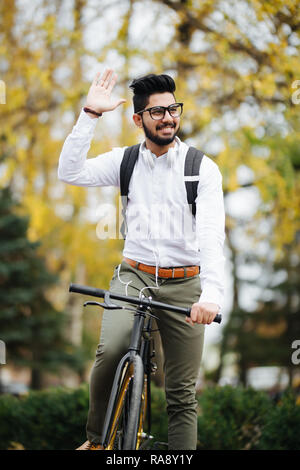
<point x="217" y="319"/>
<point x="86" y="290"/>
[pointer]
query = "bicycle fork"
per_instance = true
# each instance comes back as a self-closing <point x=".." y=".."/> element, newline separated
<point x="136" y="347"/>
<point x="148" y="353"/>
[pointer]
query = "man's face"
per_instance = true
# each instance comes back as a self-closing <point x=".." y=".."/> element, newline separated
<point x="163" y="131"/>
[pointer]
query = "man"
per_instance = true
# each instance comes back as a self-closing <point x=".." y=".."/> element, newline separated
<point x="157" y="180"/>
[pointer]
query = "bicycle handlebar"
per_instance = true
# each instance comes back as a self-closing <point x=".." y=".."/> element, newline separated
<point x="95" y="292"/>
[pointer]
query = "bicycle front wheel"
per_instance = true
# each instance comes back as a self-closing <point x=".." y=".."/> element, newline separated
<point x="126" y="419"/>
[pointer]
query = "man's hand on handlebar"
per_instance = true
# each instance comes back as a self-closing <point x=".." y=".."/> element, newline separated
<point x="203" y="312"/>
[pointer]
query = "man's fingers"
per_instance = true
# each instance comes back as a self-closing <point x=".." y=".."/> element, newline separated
<point x="105" y="79"/>
<point x="195" y="313"/>
<point x="201" y="315"/>
<point x="96" y="79"/>
<point x="105" y="76"/>
<point x="117" y="103"/>
<point x="121" y="101"/>
<point x="112" y="82"/>
<point x="192" y="315"/>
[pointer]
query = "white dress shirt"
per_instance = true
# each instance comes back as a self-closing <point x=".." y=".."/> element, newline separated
<point x="161" y="229"/>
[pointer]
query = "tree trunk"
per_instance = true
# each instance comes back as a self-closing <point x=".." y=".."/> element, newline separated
<point x="36" y="382"/>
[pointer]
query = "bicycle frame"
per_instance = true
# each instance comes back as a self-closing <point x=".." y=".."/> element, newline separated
<point x="139" y="344"/>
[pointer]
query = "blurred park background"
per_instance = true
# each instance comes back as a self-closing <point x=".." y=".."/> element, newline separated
<point x="237" y="69"/>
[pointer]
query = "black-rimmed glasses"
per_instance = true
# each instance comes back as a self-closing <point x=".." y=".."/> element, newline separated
<point x="158" y="112"/>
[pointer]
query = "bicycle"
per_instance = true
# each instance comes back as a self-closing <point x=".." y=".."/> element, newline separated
<point x="128" y="414"/>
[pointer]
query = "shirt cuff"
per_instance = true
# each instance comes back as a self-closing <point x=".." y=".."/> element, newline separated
<point x="212" y="294"/>
<point x="85" y="125"/>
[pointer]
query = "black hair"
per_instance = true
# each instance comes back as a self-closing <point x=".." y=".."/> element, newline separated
<point x="145" y="86"/>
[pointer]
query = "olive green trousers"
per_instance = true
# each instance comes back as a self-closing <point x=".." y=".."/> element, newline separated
<point x="182" y="346"/>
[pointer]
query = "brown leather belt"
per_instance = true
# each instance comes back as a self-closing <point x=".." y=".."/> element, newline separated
<point x="188" y="271"/>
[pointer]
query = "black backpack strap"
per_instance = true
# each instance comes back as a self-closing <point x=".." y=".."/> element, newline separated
<point x="193" y="161"/>
<point x="127" y="165"/>
<point x="129" y="158"/>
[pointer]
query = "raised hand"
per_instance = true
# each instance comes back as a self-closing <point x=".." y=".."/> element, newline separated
<point x="99" y="96"/>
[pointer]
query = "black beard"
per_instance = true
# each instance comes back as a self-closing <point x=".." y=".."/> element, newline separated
<point x="161" y="141"/>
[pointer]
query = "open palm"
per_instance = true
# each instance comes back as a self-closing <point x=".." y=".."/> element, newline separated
<point x="99" y="96"/>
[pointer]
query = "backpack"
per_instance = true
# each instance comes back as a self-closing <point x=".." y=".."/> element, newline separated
<point x="191" y="177"/>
